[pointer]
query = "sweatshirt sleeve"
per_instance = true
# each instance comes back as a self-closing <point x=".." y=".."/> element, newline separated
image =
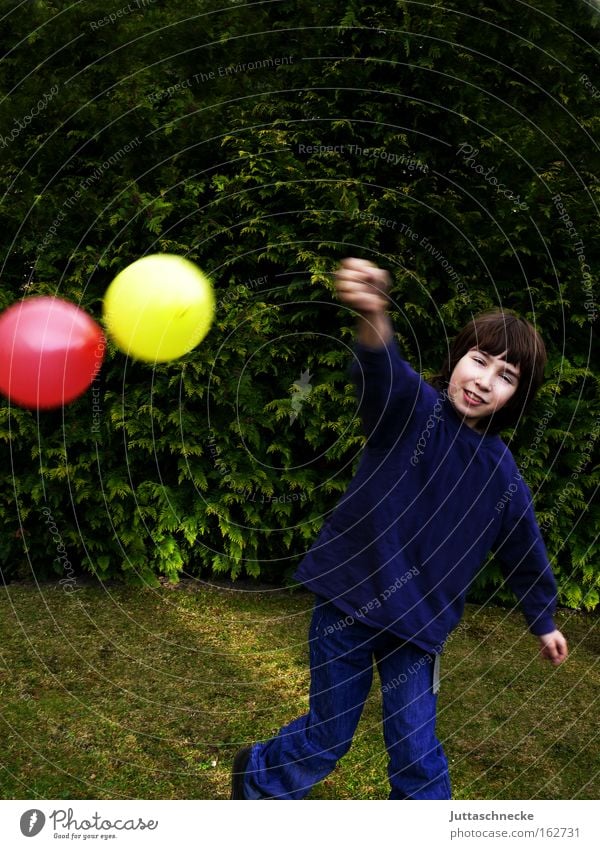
<point x="387" y="389"/>
<point x="524" y="561"/>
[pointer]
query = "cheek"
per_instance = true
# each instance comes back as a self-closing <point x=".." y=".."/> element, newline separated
<point x="459" y="373"/>
<point x="505" y="393"/>
<point x="455" y="379"/>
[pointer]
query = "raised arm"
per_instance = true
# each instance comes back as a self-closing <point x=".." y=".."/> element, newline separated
<point x="388" y="387"/>
<point x="363" y="286"/>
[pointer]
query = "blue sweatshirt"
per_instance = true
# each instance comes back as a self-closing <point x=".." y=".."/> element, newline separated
<point x="431" y="498"/>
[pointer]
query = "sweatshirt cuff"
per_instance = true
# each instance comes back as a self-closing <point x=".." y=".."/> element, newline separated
<point x="542" y="625"/>
<point x="367" y="353"/>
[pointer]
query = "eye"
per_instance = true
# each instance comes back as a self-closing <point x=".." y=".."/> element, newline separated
<point x="479" y="360"/>
<point x="508" y="378"/>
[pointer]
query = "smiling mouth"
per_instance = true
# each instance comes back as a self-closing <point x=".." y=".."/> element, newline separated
<point x="471" y="399"/>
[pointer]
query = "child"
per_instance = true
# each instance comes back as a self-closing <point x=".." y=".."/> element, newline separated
<point x="436" y="489"/>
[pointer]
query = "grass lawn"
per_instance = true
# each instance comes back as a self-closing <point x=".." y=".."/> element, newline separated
<point x="111" y="692"/>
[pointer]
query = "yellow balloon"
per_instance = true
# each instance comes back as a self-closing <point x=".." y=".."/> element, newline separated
<point x="159" y="308"/>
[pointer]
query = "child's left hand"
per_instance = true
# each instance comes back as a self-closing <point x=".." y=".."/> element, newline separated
<point x="554" y="647"/>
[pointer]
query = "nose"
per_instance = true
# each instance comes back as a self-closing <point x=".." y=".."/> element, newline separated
<point x="483" y="380"/>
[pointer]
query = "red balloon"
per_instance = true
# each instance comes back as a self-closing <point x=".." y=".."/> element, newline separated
<point x="50" y="352"/>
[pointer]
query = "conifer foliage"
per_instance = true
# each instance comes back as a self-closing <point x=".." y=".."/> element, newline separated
<point x="453" y="143"/>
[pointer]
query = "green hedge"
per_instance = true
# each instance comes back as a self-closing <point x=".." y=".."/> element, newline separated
<point x="266" y="142"/>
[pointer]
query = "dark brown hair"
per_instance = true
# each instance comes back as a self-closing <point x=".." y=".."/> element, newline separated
<point x="495" y="331"/>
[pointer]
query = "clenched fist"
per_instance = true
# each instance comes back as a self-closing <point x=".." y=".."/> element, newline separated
<point x="363" y="286"/>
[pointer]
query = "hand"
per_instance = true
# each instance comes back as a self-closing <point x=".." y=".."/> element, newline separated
<point x="362" y="285"/>
<point x="553" y="646"/>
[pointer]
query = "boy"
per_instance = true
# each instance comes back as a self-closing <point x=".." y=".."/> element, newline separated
<point x="436" y="490"/>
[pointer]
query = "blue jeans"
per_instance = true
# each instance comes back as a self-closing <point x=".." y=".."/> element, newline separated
<point x="341" y="665"/>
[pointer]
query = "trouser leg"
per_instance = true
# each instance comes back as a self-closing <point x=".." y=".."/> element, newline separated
<point x="418" y="768"/>
<point x="306" y="750"/>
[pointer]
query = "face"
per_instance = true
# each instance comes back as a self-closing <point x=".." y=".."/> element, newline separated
<point x="481" y="384"/>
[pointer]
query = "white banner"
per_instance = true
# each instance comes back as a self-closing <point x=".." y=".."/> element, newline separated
<point x="344" y="824"/>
